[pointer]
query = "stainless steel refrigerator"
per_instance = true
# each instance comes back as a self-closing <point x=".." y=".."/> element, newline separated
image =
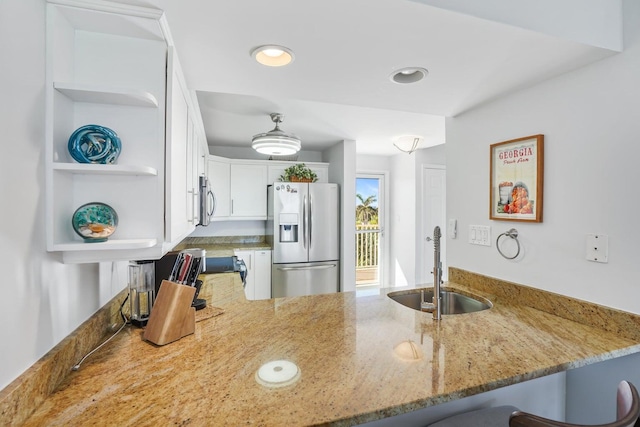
<point x="303" y="228"/>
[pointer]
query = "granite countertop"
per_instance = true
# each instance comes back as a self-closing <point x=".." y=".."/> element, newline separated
<point x="343" y="345"/>
<point x="221" y="247"/>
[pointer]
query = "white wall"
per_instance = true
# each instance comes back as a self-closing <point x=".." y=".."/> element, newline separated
<point x="402" y="223"/>
<point x="427" y="157"/>
<point x="368" y="163"/>
<point x="342" y="170"/>
<point x="590" y="119"/>
<point x="41" y="299"/>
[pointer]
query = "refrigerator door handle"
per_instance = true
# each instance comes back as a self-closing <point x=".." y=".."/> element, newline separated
<point x="304" y="222"/>
<point x="212" y="197"/>
<point x="313" y="267"/>
<point x="310" y="219"/>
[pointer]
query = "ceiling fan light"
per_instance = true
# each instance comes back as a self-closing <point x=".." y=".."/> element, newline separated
<point x="275" y="145"/>
<point x="273" y="55"/>
<point x="276" y="142"/>
<point x="407" y="143"/>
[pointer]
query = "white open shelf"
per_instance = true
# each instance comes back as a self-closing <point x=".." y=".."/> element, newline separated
<point x="111" y="244"/>
<point x="106" y="95"/>
<point x="100" y="169"/>
<point x="83" y="36"/>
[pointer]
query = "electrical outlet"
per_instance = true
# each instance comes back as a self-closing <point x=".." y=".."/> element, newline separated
<point x="480" y="235"/>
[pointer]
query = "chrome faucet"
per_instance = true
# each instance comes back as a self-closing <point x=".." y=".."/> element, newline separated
<point x="435" y="306"/>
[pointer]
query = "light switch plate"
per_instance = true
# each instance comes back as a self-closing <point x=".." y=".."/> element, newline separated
<point x="452" y="228"/>
<point x="480" y="235"/>
<point x="598" y="248"/>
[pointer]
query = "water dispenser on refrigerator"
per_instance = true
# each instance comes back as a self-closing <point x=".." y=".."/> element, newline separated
<point x="288" y="227"/>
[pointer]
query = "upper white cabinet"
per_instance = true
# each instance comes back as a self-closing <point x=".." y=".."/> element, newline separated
<point x="107" y="65"/>
<point x="248" y="191"/>
<point x="181" y="156"/>
<point x="240" y="186"/>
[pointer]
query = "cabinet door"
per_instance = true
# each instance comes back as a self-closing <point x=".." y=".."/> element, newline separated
<point x="249" y="191"/>
<point x="219" y="182"/>
<point x="249" y="289"/>
<point x="192" y="171"/>
<point x="179" y="202"/>
<point x="262" y="274"/>
<point x="274" y="172"/>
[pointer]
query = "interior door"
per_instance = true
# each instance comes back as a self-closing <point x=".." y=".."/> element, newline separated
<point x="434" y="214"/>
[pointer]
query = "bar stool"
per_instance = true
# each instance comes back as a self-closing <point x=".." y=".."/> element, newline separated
<point x="627" y="404"/>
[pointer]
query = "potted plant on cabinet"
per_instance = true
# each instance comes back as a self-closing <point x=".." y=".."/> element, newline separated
<point x="298" y="173"/>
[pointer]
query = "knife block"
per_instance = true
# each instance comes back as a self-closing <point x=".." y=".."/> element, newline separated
<point x="172" y="316"/>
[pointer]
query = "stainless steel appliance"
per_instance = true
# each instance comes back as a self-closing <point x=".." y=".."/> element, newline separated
<point x="207" y="203"/>
<point x="303" y="228"/>
<point x="141" y="291"/>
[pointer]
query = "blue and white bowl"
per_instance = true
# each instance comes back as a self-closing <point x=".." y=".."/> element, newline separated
<point x="95" y="222"/>
<point x="94" y="144"/>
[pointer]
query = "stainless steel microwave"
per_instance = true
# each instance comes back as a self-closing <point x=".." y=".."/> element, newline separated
<point x="207" y="202"/>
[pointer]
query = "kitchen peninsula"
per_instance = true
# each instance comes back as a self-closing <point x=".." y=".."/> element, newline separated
<point x="344" y="347"/>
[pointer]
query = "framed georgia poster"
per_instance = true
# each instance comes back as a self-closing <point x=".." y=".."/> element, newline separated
<point x="516" y="179"/>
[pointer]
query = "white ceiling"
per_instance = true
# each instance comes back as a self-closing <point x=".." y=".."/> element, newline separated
<point x="338" y="87"/>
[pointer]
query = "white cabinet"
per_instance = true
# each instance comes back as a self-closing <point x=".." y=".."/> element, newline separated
<point x="219" y="173"/>
<point x="258" y="281"/>
<point x="262" y="273"/>
<point x="248" y="188"/>
<point x="250" y="283"/>
<point x="179" y="155"/>
<point x="240" y="186"/>
<point x="107" y="69"/>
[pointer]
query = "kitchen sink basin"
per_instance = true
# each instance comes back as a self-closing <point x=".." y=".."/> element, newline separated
<point x="453" y="302"/>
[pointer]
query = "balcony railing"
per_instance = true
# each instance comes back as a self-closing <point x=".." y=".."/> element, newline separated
<point x="367" y="253"/>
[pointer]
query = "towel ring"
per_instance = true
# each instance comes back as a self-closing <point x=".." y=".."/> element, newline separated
<point x="513" y="233"/>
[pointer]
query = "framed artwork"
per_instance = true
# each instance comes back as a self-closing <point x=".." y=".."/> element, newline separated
<point x="516" y="179"/>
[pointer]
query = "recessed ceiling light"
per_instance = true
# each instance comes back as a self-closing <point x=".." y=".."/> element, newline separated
<point x="273" y="55"/>
<point x="408" y="75"/>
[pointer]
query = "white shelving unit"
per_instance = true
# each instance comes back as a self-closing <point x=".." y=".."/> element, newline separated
<point x="104" y="95"/>
<point x="105" y="169"/>
<point x="106" y="65"/>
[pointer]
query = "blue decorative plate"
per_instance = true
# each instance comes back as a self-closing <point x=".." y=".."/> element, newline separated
<point x="95" y="221"/>
<point x="94" y="144"/>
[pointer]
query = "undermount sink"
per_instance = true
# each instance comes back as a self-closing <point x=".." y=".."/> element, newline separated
<point x="452" y="302"/>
